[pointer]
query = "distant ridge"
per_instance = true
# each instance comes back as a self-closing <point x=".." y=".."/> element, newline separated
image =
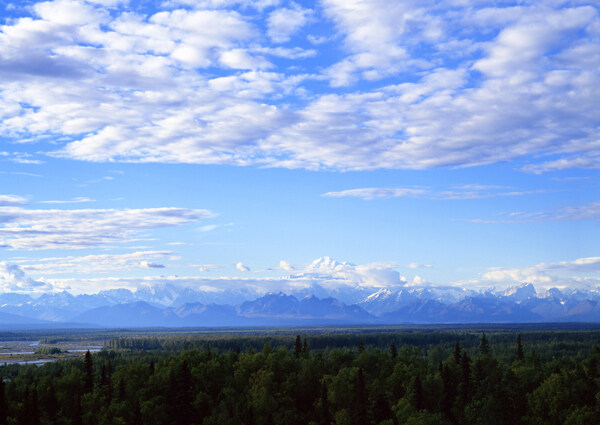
<point x="170" y="306"/>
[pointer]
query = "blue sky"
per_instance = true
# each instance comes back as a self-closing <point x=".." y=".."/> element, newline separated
<point x="196" y="142"/>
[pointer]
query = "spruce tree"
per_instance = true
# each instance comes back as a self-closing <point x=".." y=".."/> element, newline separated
<point x="393" y="351"/>
<point x="484" y="346"/>
<point x="305" y="349"/>
<point x="416" y="393"/>
<point x="297" y="347"/>
<point x="465" y="378"/>
<point x="457" y="353"/>
<point x="3" y="405"/>
<point x="89" y="372"/>
<point x="324" y="419"/>
<point x="360" y="399"/>
<point x="520" y="354"/>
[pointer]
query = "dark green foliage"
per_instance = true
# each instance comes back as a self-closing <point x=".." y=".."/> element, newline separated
<point x="457" y="355"/>
<point x="386" y="381"/>
<point x="520" y="355"/>
<point x="89" y="372"/>
<point x="297" y="347"/>
<point x="3" y="406"/>
<point x="484" y="346"/>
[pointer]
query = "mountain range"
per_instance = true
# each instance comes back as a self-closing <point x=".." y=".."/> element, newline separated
<point x="171" y="306"/>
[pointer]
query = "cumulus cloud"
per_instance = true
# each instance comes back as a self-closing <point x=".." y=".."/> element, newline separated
<point x="13" y="279"/>
<point x="284" y="265"/>
<point x="332" y="272"/>
<point x="241" y="267"/>
<point x="283" y="23"/>
<point x="31" y="229"/>
<point x="450" y="84"/>
<point x="581" y="272"/>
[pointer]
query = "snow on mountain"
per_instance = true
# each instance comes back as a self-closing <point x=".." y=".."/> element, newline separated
<point x="520" y="292"/>
<point x="551" y="293"/>
<point x="385" y="301"/>
<point x="311" y="303"/>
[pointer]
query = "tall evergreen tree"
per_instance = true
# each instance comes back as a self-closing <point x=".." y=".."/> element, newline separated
<point x="360" y="399"/>
<point x="393" y="351"/>
<point x="89" y="372"/>
<point x="457" y="353"/>
<point x="297" y="347"/>
<point x="520" y="354"/>
<point x="484" y="346"/>
<point x="3" y="404"/>
<point x="305" y="349"/>
<point x="416" y="393"/>
<point x="465" y="379"/>
<point x="324" y="417"/>
<point x="448" y="391"/>
<point x="34" y="414"/>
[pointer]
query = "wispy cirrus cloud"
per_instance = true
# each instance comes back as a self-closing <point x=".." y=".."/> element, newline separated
<point x="97" y="263"/>
<point x="78" y="200"/>
<point x="33" y="229"/>
<point x="472" y="191"/>
<point x="589" y="211"/>
<point x="6" y="200"/>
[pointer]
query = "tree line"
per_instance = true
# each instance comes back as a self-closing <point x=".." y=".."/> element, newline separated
<point x="482" y="380"/>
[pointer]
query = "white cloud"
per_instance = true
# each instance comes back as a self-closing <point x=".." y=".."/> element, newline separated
<point x="13" y="279"/>
<point x="457" y="193"/>
<point x="332" y="275"/>
<point x="240" y="59"/>
<point x="114" y="85"/>
<point x="582" y="272"/>
<point x="149" y="265"/>
<point x="283" y="23"/>
<point x="217" y="4"/>
<point x="331" y="272"/>
<point x="88" y="264"/>
<point x="284" y="265"/>
<point x="419" y="266"/>
<point x="241" y="267"/>
<point x="67" y="12"/>
<point x="589" y="211"/>
<point x="78" y="200"/>
<point x="369" y="193"/>
<point x="578" y="161"/>
<point x="6" y="200"/>
<point x="69" y="229"/>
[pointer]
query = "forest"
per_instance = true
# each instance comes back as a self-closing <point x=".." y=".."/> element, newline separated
<point x="319" y="377"/>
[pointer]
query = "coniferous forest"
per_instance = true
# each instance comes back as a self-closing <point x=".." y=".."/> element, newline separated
<point x="380" y="378"/>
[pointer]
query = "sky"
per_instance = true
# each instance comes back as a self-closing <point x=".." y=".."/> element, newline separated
<point x="208" y="142"/>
